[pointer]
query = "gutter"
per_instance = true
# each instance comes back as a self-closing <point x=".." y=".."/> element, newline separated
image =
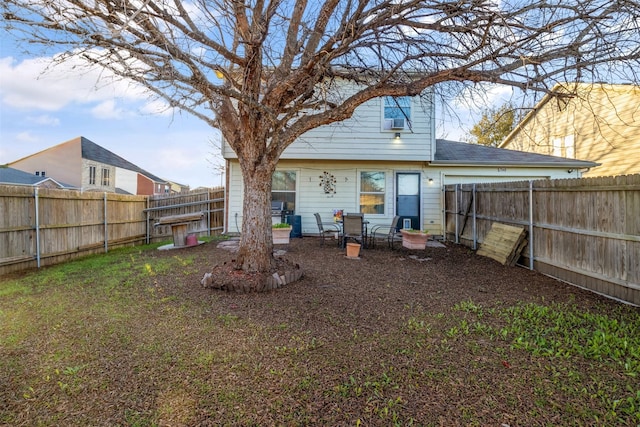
<point x="578" y="164"/>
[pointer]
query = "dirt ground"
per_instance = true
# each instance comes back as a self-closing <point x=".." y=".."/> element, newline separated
<point x="439" y="276"/>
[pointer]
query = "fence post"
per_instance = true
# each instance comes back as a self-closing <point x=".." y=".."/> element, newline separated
<point x="36" y="199"/>
<point x="106" y="226"/>
<point x="147" y="228"/>
<point x="209" y="208"/>
<point x="475" y="234"/>
<point x="457" y="214"/>
<point x="530" y="224"/>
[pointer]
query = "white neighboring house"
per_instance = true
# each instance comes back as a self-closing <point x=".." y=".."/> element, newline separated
<point x="385" y="161"/>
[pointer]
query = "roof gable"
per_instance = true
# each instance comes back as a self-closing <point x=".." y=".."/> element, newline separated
<point x="92" y="151"/>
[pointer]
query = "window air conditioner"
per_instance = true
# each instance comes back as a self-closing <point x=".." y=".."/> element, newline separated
<point x="397" y="124"/>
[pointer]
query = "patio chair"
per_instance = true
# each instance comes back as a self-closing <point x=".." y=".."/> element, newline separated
<point x="389" y="232"/>
<point x="326" y="228"/>
<point x="353" y="228"/>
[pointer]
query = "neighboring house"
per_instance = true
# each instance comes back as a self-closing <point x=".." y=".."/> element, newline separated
<point x="385" y="161"/>
<point x="600" y="124"/>
<point x="11" y="176"/>
<point x="90" y="167"/>
<point x="175" y="187"/>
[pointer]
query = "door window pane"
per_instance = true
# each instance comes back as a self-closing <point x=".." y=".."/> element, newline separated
<point x="408" y="184"/>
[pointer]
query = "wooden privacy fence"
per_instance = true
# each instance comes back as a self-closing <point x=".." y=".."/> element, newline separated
<point x="41" y="227"/>
<point x="208" y="201"/>
<point x="46" y="226"/>
<point x="582" y="231"/>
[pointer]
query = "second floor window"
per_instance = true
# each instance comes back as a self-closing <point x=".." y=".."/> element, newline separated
<point x="92" y="175"/>
<point x="105" y="178"/>
<point x="397" y="112"/>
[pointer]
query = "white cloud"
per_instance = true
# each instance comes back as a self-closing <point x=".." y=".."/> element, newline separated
<point x="44" y="120"/>
<point x="39" y="84"/>
<point x="26" y="137"/>
<point x="107" y="110"/>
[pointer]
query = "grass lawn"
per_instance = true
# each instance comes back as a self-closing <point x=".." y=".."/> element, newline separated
<point x="130" y="338"/>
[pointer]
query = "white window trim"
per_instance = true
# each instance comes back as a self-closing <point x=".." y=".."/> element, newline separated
<point x="407" y="125"/>
<point x="387" y="174"/>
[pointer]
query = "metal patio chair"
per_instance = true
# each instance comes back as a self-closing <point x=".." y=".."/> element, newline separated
<point x="353" y="228"/>
<point x="389" y="232"/>
<point x="326" y="228"/>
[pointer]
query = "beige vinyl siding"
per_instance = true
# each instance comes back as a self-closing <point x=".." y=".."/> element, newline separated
<point x="310" y="197"/>
<point x="362" y="137"/>
<point x="604" y="123"/>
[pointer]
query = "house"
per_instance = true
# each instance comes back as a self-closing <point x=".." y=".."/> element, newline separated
<point x="11" y="176"/>
<point x="90" y="167"/>
<point x="383" y="161"/>
<point x="600" y="124"/>
<point x="175" y="187"/>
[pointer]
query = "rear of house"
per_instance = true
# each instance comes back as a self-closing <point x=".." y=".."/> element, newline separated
<point x="383" y="161"/>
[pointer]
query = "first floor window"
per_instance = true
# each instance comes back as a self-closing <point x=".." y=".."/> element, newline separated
<point x="372" y="192"/>
<point x="105" y="178"/>
<point x="92" y="175"/>
<point x="283" y="189"/>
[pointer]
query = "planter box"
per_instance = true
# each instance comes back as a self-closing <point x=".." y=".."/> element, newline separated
<point x="414" y="240"/>
<point x="281" y="235"/>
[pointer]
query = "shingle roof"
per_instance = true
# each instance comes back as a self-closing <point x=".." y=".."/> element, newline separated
<point x="453" y="152"/>
<point x="92" y="151"/>
<point x="14" y="176"/>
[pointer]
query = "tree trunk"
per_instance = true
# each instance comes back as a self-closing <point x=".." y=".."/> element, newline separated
<point x="256" y="244"/>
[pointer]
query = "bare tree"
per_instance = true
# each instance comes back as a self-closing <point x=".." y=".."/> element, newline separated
<point x="265" y="71"/>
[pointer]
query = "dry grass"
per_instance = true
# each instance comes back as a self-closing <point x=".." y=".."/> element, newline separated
<point x="449" y="338"/>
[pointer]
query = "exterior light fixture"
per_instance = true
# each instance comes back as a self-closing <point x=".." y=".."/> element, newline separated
<point x="430" y="180"/>
<point x="397" y="135"/>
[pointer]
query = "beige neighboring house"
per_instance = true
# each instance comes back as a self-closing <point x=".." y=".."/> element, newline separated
<point x="86" y="165"/>
<point x="601" y="124"/>
<point x="176" y="187"/>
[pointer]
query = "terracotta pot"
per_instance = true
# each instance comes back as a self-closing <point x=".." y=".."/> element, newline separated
<point x="353" y="250"/>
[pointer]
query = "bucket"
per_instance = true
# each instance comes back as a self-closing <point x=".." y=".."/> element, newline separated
<point x="353" y="250"/>
<point x="192" y="240"/>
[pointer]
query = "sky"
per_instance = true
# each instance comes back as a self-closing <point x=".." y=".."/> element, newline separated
<point x="42" y="106"/>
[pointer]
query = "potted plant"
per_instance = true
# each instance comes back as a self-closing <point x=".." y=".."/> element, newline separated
<point x="414" y="239"/>
<point x="281" y="233"/>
